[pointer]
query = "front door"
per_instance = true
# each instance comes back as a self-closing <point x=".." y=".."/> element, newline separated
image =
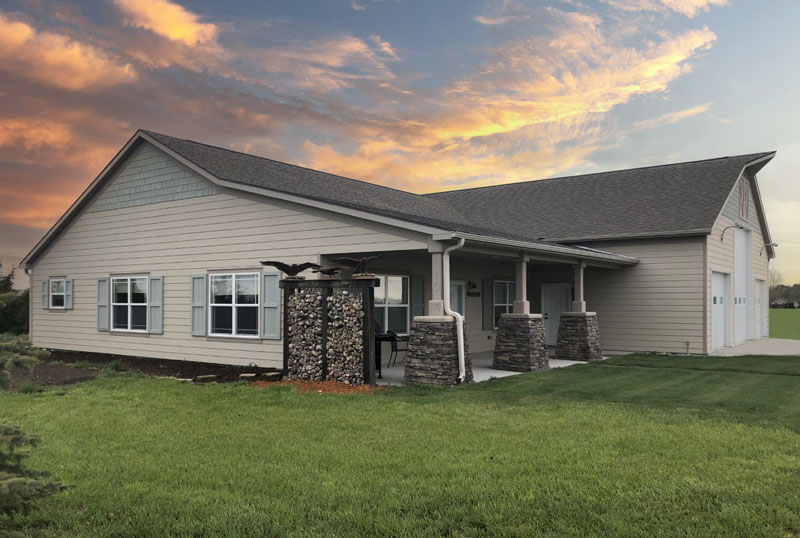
<point x="457" y="292"/>
<point x="555" y="300"/>
<point x="720" y="310"/>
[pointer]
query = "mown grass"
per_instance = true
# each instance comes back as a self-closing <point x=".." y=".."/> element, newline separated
<point x="639" y="446"/>
<point x="784" y="323"/>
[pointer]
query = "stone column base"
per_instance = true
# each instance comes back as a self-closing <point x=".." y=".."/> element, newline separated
<point x="578" y="337"/>
<point x="520" y="343"/>
<point x="432" y="357"/>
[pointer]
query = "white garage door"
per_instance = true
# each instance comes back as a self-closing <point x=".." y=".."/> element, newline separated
<point x="720" y="310"/>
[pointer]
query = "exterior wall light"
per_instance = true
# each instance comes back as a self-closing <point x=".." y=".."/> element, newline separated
<point x="737" y="226"/>
<point x="767" y="245"/>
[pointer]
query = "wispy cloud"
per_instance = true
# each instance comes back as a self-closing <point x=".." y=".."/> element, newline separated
<point x="689" y="8"/>
<point x="56" y="60"/>
<point x="169" y="20"/>
<point x="498" y="20"/>
<point x="673" y="117"/>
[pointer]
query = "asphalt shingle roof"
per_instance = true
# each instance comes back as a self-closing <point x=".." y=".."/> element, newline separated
<point x="642" y="201"/>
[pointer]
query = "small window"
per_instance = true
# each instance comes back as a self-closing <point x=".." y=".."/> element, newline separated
<point x="129" y="300"/>
<point x="744" y="199"/>
<point x="233" y="301"/>
<point x="58" y="290"/>
<point x="504" y="293"/>
<point x="392" y="304"/>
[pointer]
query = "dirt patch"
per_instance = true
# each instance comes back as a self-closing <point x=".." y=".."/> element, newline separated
<point x="60" y="369"/>
<point x="320" y="387"/>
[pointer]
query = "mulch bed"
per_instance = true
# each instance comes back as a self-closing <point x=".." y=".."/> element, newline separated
<point x="320" y="387"/>
<point x="47" y="374"/>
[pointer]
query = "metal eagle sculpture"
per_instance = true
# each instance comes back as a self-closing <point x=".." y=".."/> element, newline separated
<point x="291" y="269"/>
<point x="359" y="265"/>
<point x="330" y="272"/>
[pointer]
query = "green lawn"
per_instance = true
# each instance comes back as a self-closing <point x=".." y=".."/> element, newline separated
<point x="784" y="323"/>
<point x="637" y="446"/>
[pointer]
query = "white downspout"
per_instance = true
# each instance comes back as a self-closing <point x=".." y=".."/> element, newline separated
<point x="462" y="366"/>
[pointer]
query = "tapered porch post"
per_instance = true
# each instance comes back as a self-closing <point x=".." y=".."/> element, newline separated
<point x="579" y="304"/>
<point x="521" y="303"/>
<point x="436" y="304"/>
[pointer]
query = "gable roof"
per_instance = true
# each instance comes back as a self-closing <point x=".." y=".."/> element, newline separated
<point x="673" y="199"/>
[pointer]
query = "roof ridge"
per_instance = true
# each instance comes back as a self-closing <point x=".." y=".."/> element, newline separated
<point x="527" y="181"/>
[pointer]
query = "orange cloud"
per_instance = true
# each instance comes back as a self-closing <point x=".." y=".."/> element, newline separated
<point x="673" y="117"/>
<point x="169" y="20"/>
<point x="56" y="60"/>
<point x="690" y="8"/>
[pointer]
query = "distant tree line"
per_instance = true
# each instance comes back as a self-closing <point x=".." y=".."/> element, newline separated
<point x="13" y="306"/>
<point x="781" y="295"/>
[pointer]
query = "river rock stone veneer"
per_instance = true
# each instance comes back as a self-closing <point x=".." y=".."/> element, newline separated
<point x="345" y="337"/>
<point x="433" y="352"/>
<point x="578" y="337"/>
<point x="304" y="326"/>
<point x="520" y="346"/>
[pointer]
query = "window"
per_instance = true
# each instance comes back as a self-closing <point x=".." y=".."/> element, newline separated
<point x="58" y="289"/>
<point x="744" y="199"/>
<point x="129" y="303"/>
<point x="457" y="296"/>
<point x="504" y="293"/>
<point x="391" y="304"/>
<point x="233" y="301"/>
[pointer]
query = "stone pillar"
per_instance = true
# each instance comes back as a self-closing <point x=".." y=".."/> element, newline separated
<point x="579" y="304"/>
<point x="433" y="352"/>
<point x="519" y="346"/>
<point x="578" y="337"/>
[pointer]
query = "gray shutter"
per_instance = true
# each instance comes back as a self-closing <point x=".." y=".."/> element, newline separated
<point x="271" y="306"/>
<point x="45" y="299"/>
<point x="198" y="305"/>
<point x="102" y="304"/>
<point x="417" y="295"/>
<point x="155" y="305"/>
<point x="68" y="293"/>
<point x="488" y="304"/>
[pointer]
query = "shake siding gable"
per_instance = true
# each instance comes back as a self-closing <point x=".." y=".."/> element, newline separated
<point x="721" y="253"/>
<point x="176" y="239"/>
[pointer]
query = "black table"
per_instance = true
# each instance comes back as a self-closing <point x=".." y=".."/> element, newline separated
<point x="379" y="339"/>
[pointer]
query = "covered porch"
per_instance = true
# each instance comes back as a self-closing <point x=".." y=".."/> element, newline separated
<point x="514" y="300"/>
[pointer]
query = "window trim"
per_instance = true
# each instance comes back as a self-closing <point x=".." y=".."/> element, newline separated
<point x="385" y="306"/>
<point x="233" y="305"/>
<point x="129" y="304"/>
<point x="50" y="293"/>
<point x="509" y="305"/>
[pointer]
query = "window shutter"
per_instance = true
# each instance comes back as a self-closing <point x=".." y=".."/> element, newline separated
<point x="68" y="294"/>
<point x="102" y="304"/>
<point x="417" y="295"/>
<point x="45" y="298"/>
<point x="488" y="304"/>
<point x="156" y="305"/>
<point x="198" y="305"/>
<point x="271" y="306"/>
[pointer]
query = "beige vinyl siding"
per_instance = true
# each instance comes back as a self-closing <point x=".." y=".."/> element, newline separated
<point x="177" y="239"/>
<point x="656" y="305"/>
<point x="721" y="253"/>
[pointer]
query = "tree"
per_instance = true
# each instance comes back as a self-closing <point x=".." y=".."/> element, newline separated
<point x="14" y="305"/>
<point x="21" y="489"/>
<point x="775" y="278"/>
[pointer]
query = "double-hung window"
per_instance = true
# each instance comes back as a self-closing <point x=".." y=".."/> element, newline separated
<point x="129" y="300"/>
<point x="504" y="293"/>
<point x="233" y="302"/>
<point x="58" y="292"/>
<point x="391" y="304"/>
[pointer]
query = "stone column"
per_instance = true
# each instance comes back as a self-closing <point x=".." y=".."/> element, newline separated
<point x="433" y="352"/>
<point x="519" y="346"/>
<point x="578" y="337"/>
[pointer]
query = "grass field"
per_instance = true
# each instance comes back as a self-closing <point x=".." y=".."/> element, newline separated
<point x="784" y="323"/>
<point x="635" y="446"/>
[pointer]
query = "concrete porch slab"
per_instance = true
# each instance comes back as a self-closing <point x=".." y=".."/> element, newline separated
<point x="763" y="346"/>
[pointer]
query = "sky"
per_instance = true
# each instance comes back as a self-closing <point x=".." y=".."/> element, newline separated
<point x="418" y="95"/>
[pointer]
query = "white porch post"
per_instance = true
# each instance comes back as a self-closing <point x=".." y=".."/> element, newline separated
<point x="579" y="305"/>
<point x="436" y="304"/>
<point x="521" y="303"/>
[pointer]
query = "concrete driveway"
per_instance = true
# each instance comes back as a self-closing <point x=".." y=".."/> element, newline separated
<point x="764" y="346"/>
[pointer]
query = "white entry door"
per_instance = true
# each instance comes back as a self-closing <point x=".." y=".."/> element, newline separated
<point x="555" y="300"/>
<point x="457" y="293"/>
<point x="720" y="310"/>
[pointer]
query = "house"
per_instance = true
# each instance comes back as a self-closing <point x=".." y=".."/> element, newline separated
<point x="159" y="257"/>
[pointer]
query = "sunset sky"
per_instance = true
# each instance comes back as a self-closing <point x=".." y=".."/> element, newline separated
<point x="418" y="95"/>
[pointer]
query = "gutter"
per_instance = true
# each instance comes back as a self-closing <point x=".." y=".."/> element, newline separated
<point x="462" y="367"/>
